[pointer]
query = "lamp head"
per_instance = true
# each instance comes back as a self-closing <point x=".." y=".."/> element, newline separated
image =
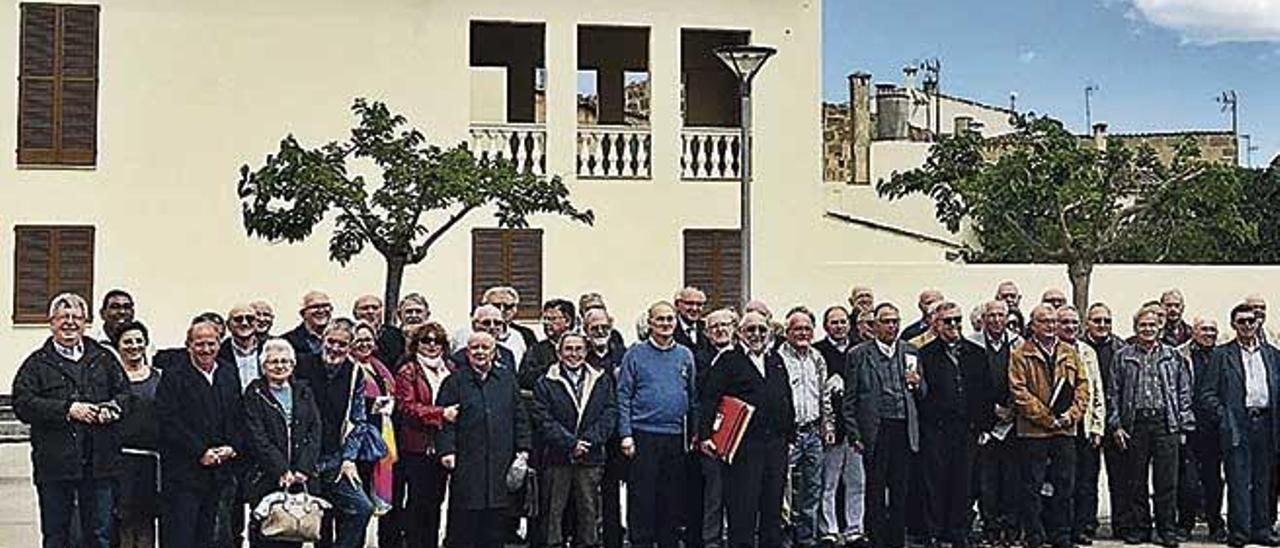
<point x="745" y="60"/>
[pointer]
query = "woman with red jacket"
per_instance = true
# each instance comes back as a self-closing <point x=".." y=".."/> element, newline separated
<point x="423" y="369"/>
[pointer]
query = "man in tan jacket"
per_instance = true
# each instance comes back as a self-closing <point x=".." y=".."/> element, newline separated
<point x="1050" y="395"/>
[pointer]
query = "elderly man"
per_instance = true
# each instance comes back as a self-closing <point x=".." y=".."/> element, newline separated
<point x="931" y="317"/>
<point x="881" y="422"/>
<point x="201" y="437"/>
<point x="928" y="298"/>
<point x="656" y="398"/>
<point x="1240" y="391"/>
<point x="488" y="319"/>
<point x="266" y="318"/>
<point x="316" y="311"/>
<point x="1053" y="297"/>
<point x="1150" y="396"/>
<point x="117" y="310"/>
<point x="389" y="346"/>
<point x="1089" y="432"/>
<point x="491" y="431"/>
<point x="841" y="465"/>
<point x="690" y="329"/>
<point x="1204" y="441"/>
<point x="999" y="461"/>
<point x="604" y="355"/>
<point x="594" y="301"/>
<point x="72" y="392"/>
<point x="507" y="299"/>
<point x="756" y="477"/>
<point x="1259" y="306"/>
<point x="1008" y="292"/>
<point x="861" y="298"/>
<point x="242" y="350"/>
<point x="1050" y="395"/>
<point x="1176" y="330"/>
<point x="707" y="484"/>
<point x="957" y="408"/>
<point x="814" y="423"/>
<point x="558" y="317"/>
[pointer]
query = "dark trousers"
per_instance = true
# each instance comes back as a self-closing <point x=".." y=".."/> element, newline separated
<point x="1249" y="480"/>
<point x="1048" y="518"/>
<point x="887" y="485"/>
<point x="425" y="481"/>
<point x="916" y="509"/>
<point x="189" y="516"/>
<point x="1085" y="501"/>
<point x="1190" y="489"/>
<point x="581" y="486"/>
<point x="694" y="499"/>
<point x="615" y="472"/>
<point x="477" y="528"/>
<point x="948" y="451"/>
<point x="1113" y="459"/>
<point x="392" y="526"/>
<point x="1207" y="446"/>
<point x="1001" y="473"/>
<point x="58" y="500"/>
<point x="754" y="486"/>
<point x="1153" y="452"/>
<point x="713" y="474"/>
<point x="655" y="491"/>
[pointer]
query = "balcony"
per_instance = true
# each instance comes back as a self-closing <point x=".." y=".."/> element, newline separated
<point x="524" y="145"/>
<point x="614" y="152"/>
<point x="710" y="154"/>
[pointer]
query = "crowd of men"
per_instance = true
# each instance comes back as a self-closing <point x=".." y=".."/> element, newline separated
<point x="877" y="434"/>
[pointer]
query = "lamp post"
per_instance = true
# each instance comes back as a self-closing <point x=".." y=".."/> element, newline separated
<point x="745" y="61"/>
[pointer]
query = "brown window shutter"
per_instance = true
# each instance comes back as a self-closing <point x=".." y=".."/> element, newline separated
<point x="712" y="263"/>
<point x="50" y="260"/>
<point x="58" y="85"/>
<point x="508" y="257"/>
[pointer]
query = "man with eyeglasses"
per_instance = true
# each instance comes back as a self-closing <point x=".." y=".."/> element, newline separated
<point x="958" y="406"/>
<point x="814" y="423"/>
<point x="998" y="458"/>
<point x="117" y="310"/>
<point x="928" y="298"/>
<point x="1089" y="432"/>
<point x="606" y="356"/>
<point x="266" y="318"/>
<point x="316" y="311"/>
<point x="558" y="317"/>
<point x="1050" y="395"/>
<point x="1098" y="337"/>
<point x="882" y="423"/>
<point x="507" y="300"/>
<point x="656" y="401"/>
<point x="690" y="327"/>
<point x="488" y="319"/>
<point x="707" y="481"/>
<point x="1240" y="391"/>
<point x="1204" y="443"/>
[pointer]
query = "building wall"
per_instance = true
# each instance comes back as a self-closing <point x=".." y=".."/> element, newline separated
<point x="191" y="90"/>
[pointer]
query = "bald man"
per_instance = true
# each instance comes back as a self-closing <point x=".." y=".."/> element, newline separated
<point x="928" y="298"/>
<point x="316" y="310"/>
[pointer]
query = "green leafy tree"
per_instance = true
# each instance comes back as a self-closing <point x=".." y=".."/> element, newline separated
<point x="297" y="188"/>
<point x="1041" y="195"/>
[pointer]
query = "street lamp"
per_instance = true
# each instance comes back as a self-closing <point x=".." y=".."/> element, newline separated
<point x="745" y="61"/>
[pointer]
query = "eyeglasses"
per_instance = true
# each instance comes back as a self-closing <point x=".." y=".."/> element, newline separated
<point x="952" y="320"/>
<point x="1246" y="321"/>
<point x="433" y="340"/>
<point x="363" y="340"/>
<point x="491" y="323"/>
<point x="505" y="306"/>
<point x="119" y="306"/>
<point x="1100" y="321"/>
<point x="337" y="343"/>
<point x="755" y="329"/>
<point x="889" y="320"/>
<point x="319" y="307"/>
<point x="598" y="329"/>
<point x="279" y="361"/>
<point x="245" y="319"/>
<point x="719" y="325"/>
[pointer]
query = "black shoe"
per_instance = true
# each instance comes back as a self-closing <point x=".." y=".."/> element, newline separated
<point x="1133" y="540"/>
<point x="1266" y="540"/>
<point x="1167" y="542"/>
<point x="1082" y="539"/>
<point x="1218" y="536"/>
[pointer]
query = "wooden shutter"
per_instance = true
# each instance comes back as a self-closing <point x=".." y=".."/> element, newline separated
<point x="58" y="85"/>
<point x="713" y="263"/>
<point x="50" y="260"/>
<point x="508" y="257"/>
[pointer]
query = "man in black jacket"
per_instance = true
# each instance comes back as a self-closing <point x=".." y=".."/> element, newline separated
<point x="690" y="329"/>
<point x="959" y="405"/>
<point x="998" y="460"/>
<point x="1205" y="441"/>
<point x="1099" y="337"/>
<point x="72" y="392"/>
<point x="756" y="475"/>
<point x="316" y="311"/>
<point x="840" y="520"/>
<point x="491" y="431"/>
<point x="200" y="412"/>
<point x="558" y="317"/>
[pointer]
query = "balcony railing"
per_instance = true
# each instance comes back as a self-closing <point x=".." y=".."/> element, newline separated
<point x="710" y="154"/>
<point x="524" y="145"/>
<point x="614" y="152"/>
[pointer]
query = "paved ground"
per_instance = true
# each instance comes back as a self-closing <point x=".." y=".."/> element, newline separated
<point x="19" y="526"/>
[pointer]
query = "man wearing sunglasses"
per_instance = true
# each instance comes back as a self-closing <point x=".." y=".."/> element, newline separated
<point x="488" y="319"/>
<point x="1088" y="433"/>
<point x="316" y="311"/>
<point x="1240" y="392"/>
<point x="1099" y="337"/>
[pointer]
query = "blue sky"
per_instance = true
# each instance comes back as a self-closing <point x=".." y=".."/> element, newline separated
<point x="1158" y="64"/>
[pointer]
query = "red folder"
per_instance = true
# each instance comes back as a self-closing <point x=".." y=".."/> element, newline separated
<point x="732" y="418"/>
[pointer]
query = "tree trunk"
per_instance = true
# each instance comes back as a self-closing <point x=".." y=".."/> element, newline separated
<point x="1080" y="272"/>
<point x="391" y="289"/>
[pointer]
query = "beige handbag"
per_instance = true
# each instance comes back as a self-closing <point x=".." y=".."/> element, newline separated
<point x="291" y="517"/>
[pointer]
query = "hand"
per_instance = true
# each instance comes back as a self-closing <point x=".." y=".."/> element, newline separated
<point x="348" y="470"/>
<point x="581" y="448"/>
<point x="225" y="452"/>
<point x="913" y="378"/>
<point x="108" y="413"/>
<point x="984" y="438"/>
<point x="708" y="447"/>
<point x="1122" y="439"/>
<point x="451" y="413"/>
<point x="83" y="412"/>
<point x="448" y="461"/>
<point x="629" y="447"/>
<point x="1182" y="439"/>
<point x="857" y="447"/>
<point x="829" y="438"/>
<point x="286" y="479"/>
<point x="210" y="457"/>
<point x="1003" y="413"/>
<point x="1095" y="440"/>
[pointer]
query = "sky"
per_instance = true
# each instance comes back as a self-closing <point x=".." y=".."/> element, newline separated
<point x="1158" y="65"/>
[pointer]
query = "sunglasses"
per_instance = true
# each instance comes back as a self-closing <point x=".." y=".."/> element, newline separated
<point x="433" y="340"/>
<point x="491" y="323"/>
<point x="1100" y="321"/>
<point x="952" y="320"/>
<point x="246" y="319"/>
<point x="1247" y="321"/>
<point x="756" y="329"/>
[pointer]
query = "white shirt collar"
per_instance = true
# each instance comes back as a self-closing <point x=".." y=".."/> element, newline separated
<point x="887" y="349"/>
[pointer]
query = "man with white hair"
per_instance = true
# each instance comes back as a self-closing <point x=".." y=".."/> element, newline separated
<point x="72" y="392"/>
<point x="488" y="319"/>
<point x="316" y="311"/>
<point x="507" y="300"/>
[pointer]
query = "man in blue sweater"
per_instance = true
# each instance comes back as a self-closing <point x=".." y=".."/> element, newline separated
<point x="656" y="398"/>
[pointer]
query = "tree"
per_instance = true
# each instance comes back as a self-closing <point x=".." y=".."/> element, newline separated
<point x="296" y="189"/>
<point x="1041" y="195"/>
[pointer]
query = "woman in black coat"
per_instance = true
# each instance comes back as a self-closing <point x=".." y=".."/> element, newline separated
<point x="283" y="425"/>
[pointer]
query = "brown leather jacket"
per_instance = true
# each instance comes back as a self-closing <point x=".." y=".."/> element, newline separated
<point x="1032" y="389"/>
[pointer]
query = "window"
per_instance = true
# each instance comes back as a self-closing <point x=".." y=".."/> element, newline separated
<point x="58" y="85"/>
<point x="513" y="257"/>
<point x="713" y="263"/>
<point x="50" y="260"/>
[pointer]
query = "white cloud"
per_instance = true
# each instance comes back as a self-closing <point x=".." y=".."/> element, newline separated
<point x="1027" y="56"/>
<point x="1215" y="21"/>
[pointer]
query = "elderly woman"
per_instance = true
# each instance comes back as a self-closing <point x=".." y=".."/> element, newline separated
<point x="138" y="491"/>
<point x="283" y="425"/>
<point x="422" y="371"/>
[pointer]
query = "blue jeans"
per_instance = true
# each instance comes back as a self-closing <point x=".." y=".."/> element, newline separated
<point x="841" y="464"/>
<point x="58" y="499"/>
<point x="351" y="512"/>
<point x="805" y="464"/>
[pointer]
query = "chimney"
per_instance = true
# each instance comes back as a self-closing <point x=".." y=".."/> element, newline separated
<point x="1100" y="136"/>
<point x="909" y="77"/>
<point x="962" y="125"/>
<point x="893" y="111"/>
<point x="860" y="119"/>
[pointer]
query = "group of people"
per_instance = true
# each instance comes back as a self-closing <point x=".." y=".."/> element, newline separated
<point x="877" y="434"/>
